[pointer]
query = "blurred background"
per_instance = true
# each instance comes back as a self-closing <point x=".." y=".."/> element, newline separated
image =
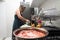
<point x="8" y="7"/>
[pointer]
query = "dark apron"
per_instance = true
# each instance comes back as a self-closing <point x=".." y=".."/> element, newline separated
<point x="17" y="23"/>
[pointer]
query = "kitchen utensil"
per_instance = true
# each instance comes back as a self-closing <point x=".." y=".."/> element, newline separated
<point x="34" y="28"/>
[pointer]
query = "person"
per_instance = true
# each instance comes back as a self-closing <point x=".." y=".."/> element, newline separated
<point x="19" y="19"/>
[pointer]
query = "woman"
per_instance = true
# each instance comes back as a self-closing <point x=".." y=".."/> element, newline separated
<point x="19" y="19"/>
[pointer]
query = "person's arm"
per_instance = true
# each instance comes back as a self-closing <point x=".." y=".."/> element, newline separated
<point x="20" y="17"/>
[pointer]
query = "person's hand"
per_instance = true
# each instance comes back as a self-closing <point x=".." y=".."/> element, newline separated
<point x="27" y="21"/>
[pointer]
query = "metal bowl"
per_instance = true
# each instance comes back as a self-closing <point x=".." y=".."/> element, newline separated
<point x="20" y="38"/>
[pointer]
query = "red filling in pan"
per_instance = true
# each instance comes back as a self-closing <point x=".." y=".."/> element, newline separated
<point x="30" y="34"/>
